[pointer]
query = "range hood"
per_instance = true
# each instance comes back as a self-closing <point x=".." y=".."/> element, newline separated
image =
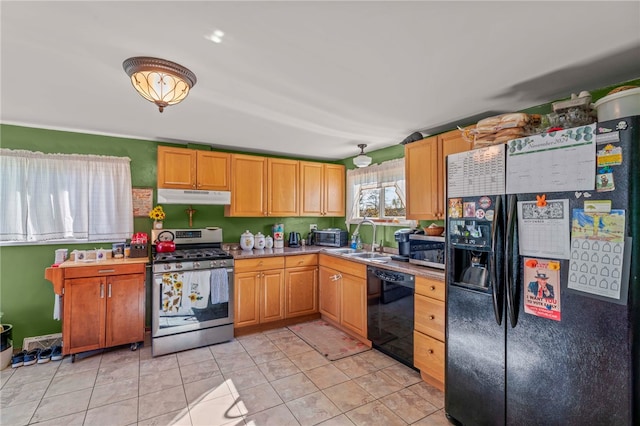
<point x="190" y="196"/>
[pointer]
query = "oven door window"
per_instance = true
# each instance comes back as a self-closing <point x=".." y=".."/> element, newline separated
<point x="191" y="299"/>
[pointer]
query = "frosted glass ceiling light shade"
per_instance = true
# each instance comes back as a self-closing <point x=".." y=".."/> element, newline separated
<point x="362" y="160"/>
<point x="159" y="81"/>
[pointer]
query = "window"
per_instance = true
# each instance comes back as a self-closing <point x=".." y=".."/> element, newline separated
<point x="64" y="197"/>
<point x="377" y="192"/>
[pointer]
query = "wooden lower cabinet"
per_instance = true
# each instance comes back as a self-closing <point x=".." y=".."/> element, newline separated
<point x="102" y="306"/>
<point x="343" y="294"/>
<point x="301" y="285"/>
<point x="259" y="291"/>
<point x="429" y="330"/>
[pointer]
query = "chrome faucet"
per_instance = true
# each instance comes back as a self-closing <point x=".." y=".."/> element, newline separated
<point x="373" y="224"/>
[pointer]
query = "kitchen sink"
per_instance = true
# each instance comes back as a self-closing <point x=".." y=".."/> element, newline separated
<point x="364" y="255"/>
<point x="348" y="251"/>
<point x="367" y="255"/>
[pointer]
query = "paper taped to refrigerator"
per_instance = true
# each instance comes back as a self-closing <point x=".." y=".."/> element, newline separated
<point x="544" y="230"/>
<point x="477" y="172"/>
<point x="597" y="252"/>
<point x="552" y="162"/>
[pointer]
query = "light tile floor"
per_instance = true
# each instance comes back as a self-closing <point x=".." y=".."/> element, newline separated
<point x="270" y="378"/>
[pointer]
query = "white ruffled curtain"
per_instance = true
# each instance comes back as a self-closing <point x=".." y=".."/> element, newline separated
<point x="391" y="171"/>
<point x="64" y="196"/>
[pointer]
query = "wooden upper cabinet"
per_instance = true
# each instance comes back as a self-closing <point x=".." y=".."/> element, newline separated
<point x="421" y="172"/>
<point x="334" y="190"/>
<point x="322" y="189"/>
<point x="176" y="168"/>
<point x="182" y="168"/>
<point x="282" y="187"/>
<point x="213" y="170"/>
<point x="451" y="143"/>
<point x="425" y="170"/>
<point x="248" y="186"/>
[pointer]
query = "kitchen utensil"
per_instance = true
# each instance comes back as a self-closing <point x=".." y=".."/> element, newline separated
<point x="165" y="247"/>
<point x="294" y="239"/>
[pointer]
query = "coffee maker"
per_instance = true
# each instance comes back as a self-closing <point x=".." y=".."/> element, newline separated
<point x="402" y="238"/>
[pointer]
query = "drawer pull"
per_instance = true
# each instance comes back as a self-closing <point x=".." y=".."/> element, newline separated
<point x="260" y="263"/>
<point x="105" y="271"/>
<point x="433" y="288"/>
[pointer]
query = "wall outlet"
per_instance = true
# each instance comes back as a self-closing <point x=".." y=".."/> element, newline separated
<point x="313" y="227"/>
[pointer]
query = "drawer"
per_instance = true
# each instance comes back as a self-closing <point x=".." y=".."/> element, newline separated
<point x="428" y="355"/>
<point x="301" y="260"/>
<point x="430" y="287"/>
<point x="429" y="316"/>
<point x="259" y="264"/>
<point x="345" y="266"/>
<point x="97" y="271"/>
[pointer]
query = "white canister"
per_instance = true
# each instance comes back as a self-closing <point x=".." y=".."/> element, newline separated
<point x="268" y="241"/>
<point x="259" y="241"/>
<point x="246" y="240"/>
<point x="101" y="255"/>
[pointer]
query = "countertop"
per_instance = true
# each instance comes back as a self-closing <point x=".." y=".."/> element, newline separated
<point x="406" y="267"/>
<point x="107" y="262"/>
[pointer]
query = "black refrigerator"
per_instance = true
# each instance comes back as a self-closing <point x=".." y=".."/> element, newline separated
<point x="543" y="279"/>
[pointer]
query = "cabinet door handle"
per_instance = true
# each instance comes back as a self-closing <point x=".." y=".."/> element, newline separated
<point x="106" y="271"/>
<point x="101" y="291"/>
<point x="433" y="288"/>
<point x="430" y="351"/>
<point x="431" y="317"/>
<point x="109" y="291"/>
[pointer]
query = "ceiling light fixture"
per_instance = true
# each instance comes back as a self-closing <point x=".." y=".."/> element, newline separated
<point x="362" y="160"/>
<point x="159" y="81"/>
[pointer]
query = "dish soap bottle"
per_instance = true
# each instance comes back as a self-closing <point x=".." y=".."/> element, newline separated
<point x="354" y="241"/>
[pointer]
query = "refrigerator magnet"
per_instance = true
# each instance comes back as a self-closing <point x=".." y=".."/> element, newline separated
<point x="609" y="156"/>
<point x="470" y="209"/>
<point x="455" y="208"/>
<point x="604" y="182"/>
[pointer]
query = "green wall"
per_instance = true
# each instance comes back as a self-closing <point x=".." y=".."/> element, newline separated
<point x="26" y="298"/>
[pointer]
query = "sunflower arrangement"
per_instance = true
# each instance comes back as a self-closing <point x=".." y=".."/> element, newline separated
<point x="157" y="213"/>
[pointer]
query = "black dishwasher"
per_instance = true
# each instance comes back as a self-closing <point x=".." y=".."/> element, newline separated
<point x="390" y="313"/>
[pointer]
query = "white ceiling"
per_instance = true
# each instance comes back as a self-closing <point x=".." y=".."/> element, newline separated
<point x="307" y="79"/>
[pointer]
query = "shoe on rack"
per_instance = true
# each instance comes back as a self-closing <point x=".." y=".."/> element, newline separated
<point x="17" y="360"/>
<point x="56" y="353"/>
<point x="44" y="356"/>
<point x="31" y="357"/>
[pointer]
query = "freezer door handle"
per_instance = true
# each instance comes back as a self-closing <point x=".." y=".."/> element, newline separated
<point x="511" y="259"/>
<point x="496" y="286"/>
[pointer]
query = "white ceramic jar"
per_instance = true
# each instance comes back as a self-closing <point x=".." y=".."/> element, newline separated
<point x="268" y="241"/>
<point x="246" y="240"/>
<point x="259" y="242"/>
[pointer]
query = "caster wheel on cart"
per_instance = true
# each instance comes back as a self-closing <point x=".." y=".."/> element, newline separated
<point x="134" y="346"/>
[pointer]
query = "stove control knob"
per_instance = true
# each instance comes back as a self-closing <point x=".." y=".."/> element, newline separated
<point x="167" y="267"/>
<point x="196" y="264"/>
<point x="178" y="265"/>
<point x="214" y="263"/>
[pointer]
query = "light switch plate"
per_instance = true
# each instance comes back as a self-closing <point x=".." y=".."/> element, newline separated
<point x="313" y="227"/>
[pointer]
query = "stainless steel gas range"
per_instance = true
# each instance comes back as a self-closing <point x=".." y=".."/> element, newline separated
<point x="192" y="290"/>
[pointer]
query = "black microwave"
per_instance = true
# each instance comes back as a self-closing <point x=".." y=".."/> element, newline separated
<point x="426" y="250"/>
<point x="331" y="238"/>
